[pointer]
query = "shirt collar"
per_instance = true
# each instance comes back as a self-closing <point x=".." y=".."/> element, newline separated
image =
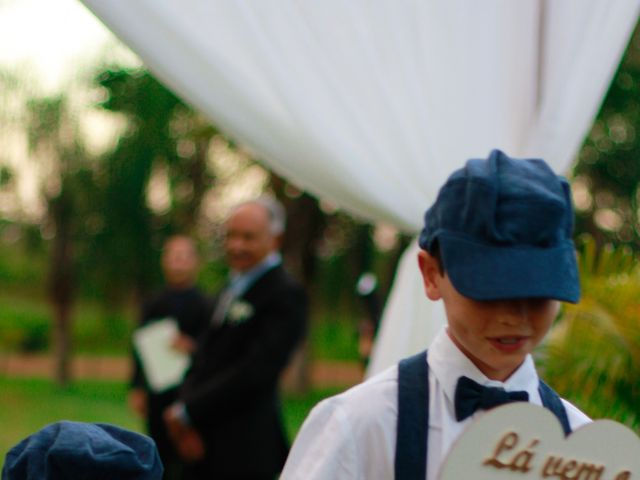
<point x="241" y="281"/>
<point x="448" y="363"/>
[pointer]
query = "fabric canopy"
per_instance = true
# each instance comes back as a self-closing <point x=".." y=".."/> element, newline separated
<point x="372" y="103"/>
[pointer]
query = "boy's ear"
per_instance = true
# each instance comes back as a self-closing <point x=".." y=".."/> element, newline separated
<point x="431" y="276"/>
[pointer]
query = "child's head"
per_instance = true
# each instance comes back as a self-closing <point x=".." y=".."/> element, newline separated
<point x="497" y="250"/>
<point x="66" y="450"/>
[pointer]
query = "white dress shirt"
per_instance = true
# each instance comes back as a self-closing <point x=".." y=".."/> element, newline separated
<point x="353" y="435"/>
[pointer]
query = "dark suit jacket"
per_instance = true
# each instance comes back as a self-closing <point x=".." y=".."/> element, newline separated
<point x="230" y="392"/>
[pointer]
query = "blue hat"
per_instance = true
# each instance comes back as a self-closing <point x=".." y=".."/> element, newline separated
<point x="72" y="450"/>
<point x="503" y="228"/>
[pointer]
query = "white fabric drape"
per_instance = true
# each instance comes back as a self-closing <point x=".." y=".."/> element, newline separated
<point x="372" y="103"/>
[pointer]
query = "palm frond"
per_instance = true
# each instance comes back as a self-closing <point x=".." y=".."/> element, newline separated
<point x="592" y="354"/>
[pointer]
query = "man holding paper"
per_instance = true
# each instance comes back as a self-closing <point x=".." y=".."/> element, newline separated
<point x="169" y="325"/>
<point x="227" y="423"/>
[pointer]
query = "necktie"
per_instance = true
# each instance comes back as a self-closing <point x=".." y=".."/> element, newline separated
<point x="470" y="396"/>
<point x="224" y="301"/>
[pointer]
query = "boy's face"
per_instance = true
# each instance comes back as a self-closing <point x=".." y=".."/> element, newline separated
<point x="495" y="335"/>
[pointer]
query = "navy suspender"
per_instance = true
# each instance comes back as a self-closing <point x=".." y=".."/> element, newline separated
<point x="551" y="401"/>
<point x="413" y="416"/>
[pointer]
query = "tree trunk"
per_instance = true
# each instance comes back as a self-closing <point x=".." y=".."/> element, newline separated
<point x="61" y="287"/>
<point x="305" y="224"/>
<point x="62" y="344"/>
<point x="200" y="180"/>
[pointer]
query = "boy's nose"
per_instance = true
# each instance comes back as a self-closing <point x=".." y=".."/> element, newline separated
<point x="514" y="312"/>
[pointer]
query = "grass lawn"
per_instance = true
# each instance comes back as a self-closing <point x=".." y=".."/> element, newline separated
<point x="29" y="404"/>
<point x="26" y="405"/>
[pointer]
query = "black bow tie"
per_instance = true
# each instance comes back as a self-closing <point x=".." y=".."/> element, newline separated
<point x="470" y="396"/>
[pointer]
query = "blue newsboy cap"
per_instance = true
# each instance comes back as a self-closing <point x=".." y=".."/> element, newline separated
<point x="503" y="228"/>
<point x="83" y="451"/>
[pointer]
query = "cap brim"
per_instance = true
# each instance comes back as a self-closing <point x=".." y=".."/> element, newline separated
<point x="488" y="272"/>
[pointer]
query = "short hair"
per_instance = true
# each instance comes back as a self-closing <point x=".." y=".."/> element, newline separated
<point x="179" y="237"/>
<point x="275" y="211"/>
<point x="435" y="253"/>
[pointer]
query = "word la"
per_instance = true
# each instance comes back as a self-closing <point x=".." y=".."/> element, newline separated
<point x="506" y="455"/>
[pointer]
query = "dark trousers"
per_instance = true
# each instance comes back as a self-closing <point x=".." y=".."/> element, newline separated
<point x="196" y="472"/>
<point x="173" y="465"/>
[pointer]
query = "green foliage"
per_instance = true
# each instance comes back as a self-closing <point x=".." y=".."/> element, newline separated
<point x="296" y="407"/>
<point x="21" y="267"/>
<point x="122" y="249"/>
<point x="54" y="139"/>
<point x="24" y="325"/>
<point x="6" y="176"/>
<point x="162" y="132"/>
<point x="592" y="355"/>
<point x="97" y="331"/>
<point x="24" y="319"/>
<point x="608" y="161"/>
<point x="333" y="335"/>
<point x="212" y="275"/>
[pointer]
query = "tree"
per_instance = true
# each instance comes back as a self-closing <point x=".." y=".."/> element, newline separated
<point x="607" y="174"/>
<point x="53" y="137"/>
<point x="162" y="134"/>
<point x="98" y="209"/>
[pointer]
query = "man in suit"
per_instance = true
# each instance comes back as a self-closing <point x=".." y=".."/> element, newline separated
<point x="227" y="422"/>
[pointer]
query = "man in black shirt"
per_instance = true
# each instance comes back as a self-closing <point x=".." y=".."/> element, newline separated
<point x="182" y="302"/>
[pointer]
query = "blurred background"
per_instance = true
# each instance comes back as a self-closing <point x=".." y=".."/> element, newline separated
<point x="99" y="163"/>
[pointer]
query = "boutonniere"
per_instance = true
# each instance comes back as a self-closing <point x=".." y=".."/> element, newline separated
<point x="239" y="312"/>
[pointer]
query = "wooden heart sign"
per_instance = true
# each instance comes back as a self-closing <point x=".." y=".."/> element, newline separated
<point x="525" y="442"/>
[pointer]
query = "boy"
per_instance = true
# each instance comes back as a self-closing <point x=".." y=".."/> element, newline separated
<point x="497" y="250"/>
<point x="76" y="450"/>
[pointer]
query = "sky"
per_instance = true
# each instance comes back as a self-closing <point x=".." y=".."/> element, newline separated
<point x="52" y="40"/>
<point x="47" y="45"/>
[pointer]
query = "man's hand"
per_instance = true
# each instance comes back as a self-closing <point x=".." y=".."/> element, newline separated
<point x="138" y="401"/>
<point x="183" y="343"/>
<point x="185" y="438"/>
